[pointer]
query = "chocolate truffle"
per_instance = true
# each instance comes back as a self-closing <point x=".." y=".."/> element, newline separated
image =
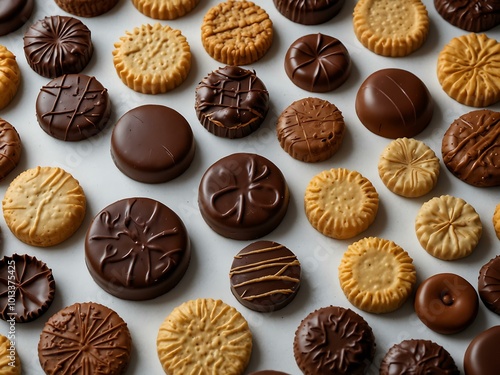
<point x="418" y="357"/>
<point x="489" y="284"/>
<point x="471" y="148"/>
<point x="152" y="144"/>
<point x="446" y="303"/>
<point x="334" y="340"/>
<point x="265" y="276"/>
<point x="58" y="45"/>
<point x="317" y="63"/>
<point x="10" y="148"/>
<point x="470" y="15"/>
<point x="86" y="8"/>
<point x="137" y="249"/>
<point x="243" y="196"/>
<point x="309" y="12"/>
<point x="394" y="103"/>
<point x="73" y="107"/>
<point x="482" y="356"/>
<point x="231" y="102"/>
<point x="13" y="14"/>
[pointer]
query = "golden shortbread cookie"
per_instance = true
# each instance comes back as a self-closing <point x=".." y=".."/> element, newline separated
<point x="448" y="228"/>
<point x="468" y="70"/>
<point x="9" y="360"/>
<point x="236" y="32"/>
<point x="10" y="76"/>
<point x="376" y="275"/>
<point x="44" y="206"/>
<point x="165" y="9"/>
<point x="340" y="203"/>
<point x="152" y="59"/>
<point x="204" y="336"/>
<point x="496" y="220"/>
<point x="408" y="167"/>
<point x="391" y="27"/>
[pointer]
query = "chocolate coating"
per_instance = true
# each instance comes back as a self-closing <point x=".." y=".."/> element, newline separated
<point x="394" y="103"/>
<point x="470" y="15"/>
<point x="317" y="63"/>
<point x="482" y="356"/>
<point x="13" y="14"/>
<point x="243" y="196"/>
<point x="58" y="45"/>
<point x="86" y="8"/>
<point x="418" y="357"/>
<point x="265" y="276"/>
<point x="471" y="148"/>
<point x="446" y="303"/>
<point x="29" y="283"/>
<point x="231" y="102"/>
<point x="268" y="372"/>
<point x="152" y="144"/>
<point x="10" y="148"/>
<point x="334" y="340"/>
<point x="137" y="249"/>
<point x="488" y="284"/>
<point x="73" y="107"/>
<point x="309" y="12"/>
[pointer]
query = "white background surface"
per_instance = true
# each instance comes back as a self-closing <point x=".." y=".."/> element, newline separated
<point x="207" y="276"/>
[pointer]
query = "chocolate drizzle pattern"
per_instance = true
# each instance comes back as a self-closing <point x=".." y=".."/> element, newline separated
<point x="10" y="148"/>
<point x="470" y="15"/>
<point x="309" y="12"/>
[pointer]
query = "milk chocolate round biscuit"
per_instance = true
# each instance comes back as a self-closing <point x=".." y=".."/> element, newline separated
<point x="152" y="144"/>
<point x="137" y="249"/>
<point x="58" y="45"/>
<point x="317" y="63"/>
<point x="231" y="102"/>
<point x="308" y="12"/>
<point x="470" y="15"/>
<point x="10" y="148"/>
<point x="29" y="283"/>
<point x="73" y="107"/>
<point x="446" y="303"/>
<point x="394" y="103"/>
<point x="86" y="8"/>
<point x="471" y="148"/>
<point x="482" y="356"/>
<point x="489" y="284"/>
<point x="243" y="196"/>
<point x="13" y="14"/>
<point x="265" y="276"/>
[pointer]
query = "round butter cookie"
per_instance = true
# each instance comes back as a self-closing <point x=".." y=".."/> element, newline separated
<point x="10" y="76"/>
<point x="496" y="220"/>
<point x="165" y="9"/>
<point x="408" y="167"/>
<point x="44" y="206"/>
<point x="340" y="203"/>
<point x="448" y="227"/>
<point x="376" y="275"/>
<point x="204" y="336"/>
<point x="468" y="70"/>
<point x="6" y="367"/>
<point x="391" y="27"/>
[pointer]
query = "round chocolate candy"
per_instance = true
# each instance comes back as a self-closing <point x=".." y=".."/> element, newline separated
<point x="394" y="103"/>
<point x="308" y="12"/>
<point x="317" y="63"/>
<point x="265" y="276"/>
<point x="243" y="196"/>
<point x="137" y="249"/>
<point x="13" y="14"/>
<point x="10" y="148"/>
<point x="489" y="284"/>
<point x="482" y="356"/>
<point x="470" y="15"/>
<point x="152" y="144"/>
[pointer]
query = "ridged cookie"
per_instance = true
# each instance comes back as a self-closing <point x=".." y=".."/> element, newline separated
<point x="10" y="76"/>
<point x="8" y="365"/>
<point x="496" y="220"/>
<point x="165" y="9"/>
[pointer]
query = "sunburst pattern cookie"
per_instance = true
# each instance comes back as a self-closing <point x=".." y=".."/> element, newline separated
<point x="10" y="76"/>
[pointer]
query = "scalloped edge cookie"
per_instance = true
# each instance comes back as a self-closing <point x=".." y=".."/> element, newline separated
<point x="10" y="76"/>
<point x="165" y="9"/>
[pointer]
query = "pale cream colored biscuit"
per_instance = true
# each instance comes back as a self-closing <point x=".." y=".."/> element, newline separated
<point x="448" y="228"/>
<point x="236" y="32"/>
<point x="468" y="70"/>
<point x="9" y="360"/>
<point x="340" y="203"/>
<point x="391" y="27"/>
<point x="496" y="220"/>
<point x="204" y="336"/>
<point x="152" y="59"/>
<point x="165" y="9"/>
<point x="376" y="275"/>
<point x="44" y="206"/>
<point x="10" y="76"/>
<point x="408" y="167"/>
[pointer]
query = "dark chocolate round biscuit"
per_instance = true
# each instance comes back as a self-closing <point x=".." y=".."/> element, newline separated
<point x="137" y="249"/>
<point x="58" y="45"/>
<point x="152" y="144"/>
<point x="482" y="356"/>
<point x="86" y="8"/>
<point x="334" y="340"/>
<point x="488" y="284"/>
<point x="231" y="102"/>
<point x="418" y="357"/>
<point x="309" y="12"/>
<point x="311" y="129"/>
<point x="85" y="338"/>
<point x="471" y="148"/>
<point x="10" y="148"/>
<point x="317" y="63"/>
<point x="27" y="288"/>
<point x="470" y="15"/>
<point x="73" y="107"/>
<point x="394" y="103"/>
<point x="265" y="276"/>
<point x="243" y="196"/>
<point x="13" y="14"/>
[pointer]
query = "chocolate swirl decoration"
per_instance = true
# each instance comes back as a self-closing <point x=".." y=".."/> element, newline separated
<point x="470" y="15"/>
